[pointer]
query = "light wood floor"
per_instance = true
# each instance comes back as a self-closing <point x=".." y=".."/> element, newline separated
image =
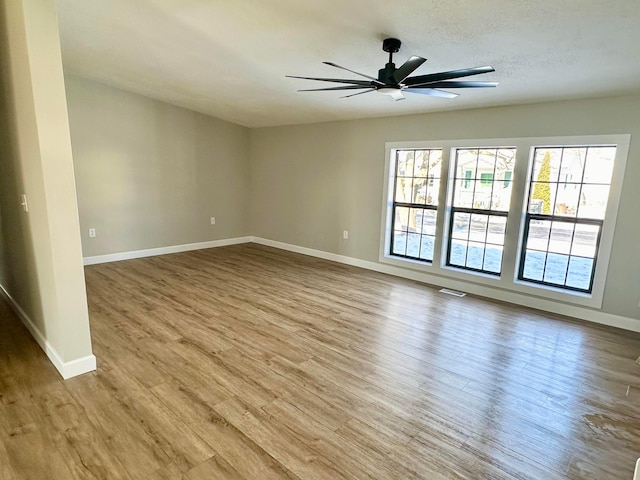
<point x="248" y="362"/>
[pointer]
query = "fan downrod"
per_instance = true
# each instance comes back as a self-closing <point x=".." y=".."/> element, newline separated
<point x="391" y="45"/>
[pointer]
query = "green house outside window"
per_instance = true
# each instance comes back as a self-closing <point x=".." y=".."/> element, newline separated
<point x="486" y="179"/>
<point x="507" y="179"/>
<point x="467" y="178"/>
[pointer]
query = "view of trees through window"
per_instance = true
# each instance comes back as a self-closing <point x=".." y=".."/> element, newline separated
<point x="417" y="186"/>
<point x="569" y="189"/>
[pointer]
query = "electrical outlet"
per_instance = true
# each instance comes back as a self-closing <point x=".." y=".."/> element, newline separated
<point x="345" y="234"/>
<point x="213" y="220"/>
<point x="92" y="233"/>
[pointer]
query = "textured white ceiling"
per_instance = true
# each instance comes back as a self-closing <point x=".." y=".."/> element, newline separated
<point x="229" y="58"/>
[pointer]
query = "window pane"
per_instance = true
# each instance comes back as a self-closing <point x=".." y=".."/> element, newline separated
<point x="501" y="197"/>
<point x="546" y="164"/>
<point x="599" y="168"/>
<point x="426" y="248"/>
<point x="415" y="219"/>
<point x="399" y="246"/>
<point x="594" y="201"/>
<point x="579" y="274"/>
<point x="458" y="253"/>
<point x="460" y="227"/>
<point x="538" y="238"/>
<point x="429" y="222"/>
<point x="478" y="227"/>
<point x="567" y="199"/>
<point x="585" y="240"/>
<point x="475" y="255"/>
<point x="556" y="268"/>
<point x="467" y="161"/>
<point x="496" y="230"/>
<point x="463" y="195"/>
<point x="405" y="163"/>
<point x="561" y="237"/>
<point x="433" y="190"/>
<point x="403" y="190"/>
<point x="421" y="163"/>
<point x="534" y="265"/>
<point x="435" y="162"/>
<point x="542" y="198"/>
<point x="413" y="245"/>
<point x="419" y="191"/>
<point x="573" y="161"/>
<point x="493" y="259"/>
<point x="486" y="162"/>
<point x="401" y="221"/>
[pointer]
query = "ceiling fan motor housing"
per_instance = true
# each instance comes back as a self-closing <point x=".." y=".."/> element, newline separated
<point x="385" y="75"/>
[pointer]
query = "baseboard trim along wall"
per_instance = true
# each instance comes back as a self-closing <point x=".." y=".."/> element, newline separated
<point x="66" y="369"/>
<point x="574" y="311"/>
<point x="152" y="252"/>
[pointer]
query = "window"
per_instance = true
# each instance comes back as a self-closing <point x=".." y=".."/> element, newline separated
<point x="479" y="210"/>
<point x="568" y="194"/>
<point x="533" y="216"/>
<point x="415" y="200"/>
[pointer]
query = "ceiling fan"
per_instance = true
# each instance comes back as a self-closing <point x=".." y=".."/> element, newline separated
<point x="395" y="82"/>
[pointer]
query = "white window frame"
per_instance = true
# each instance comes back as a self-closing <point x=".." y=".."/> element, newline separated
<point x="507" y="280"/>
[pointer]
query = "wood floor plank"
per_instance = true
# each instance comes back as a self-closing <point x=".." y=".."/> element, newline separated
<point x="243" y="454"/>
<point x="280" y="441"/>
<point x="254" y="363"/>
<point x="215" y="468"/>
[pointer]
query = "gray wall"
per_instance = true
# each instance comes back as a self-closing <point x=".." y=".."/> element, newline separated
<point x="150" y="174"/>
<point x="311" y="182"/>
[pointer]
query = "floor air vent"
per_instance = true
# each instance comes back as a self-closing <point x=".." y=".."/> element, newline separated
<point x="452" y="292"/>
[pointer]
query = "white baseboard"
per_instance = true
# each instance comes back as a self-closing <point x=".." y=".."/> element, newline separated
<point x="152" y="252"/>
<point x="574" y="311"/>
<point x="66" y="369"/>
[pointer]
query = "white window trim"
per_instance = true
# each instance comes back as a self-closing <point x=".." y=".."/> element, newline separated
<point x="515" y="223"/>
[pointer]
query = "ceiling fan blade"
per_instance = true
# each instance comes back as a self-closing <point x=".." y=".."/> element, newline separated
<point x="343" y="87"/>
<point x="336" y="80"/>
<point x="455" y="84"/>
<point x="437" y="77"/>
<point x="352" y="71"/>
<point x="408" y="68"/>
<point x="359" y="93"/>
<point x="431" y="92"/>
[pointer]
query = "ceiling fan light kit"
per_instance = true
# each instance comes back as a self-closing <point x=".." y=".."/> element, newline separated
<point x="394" y="82"/>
